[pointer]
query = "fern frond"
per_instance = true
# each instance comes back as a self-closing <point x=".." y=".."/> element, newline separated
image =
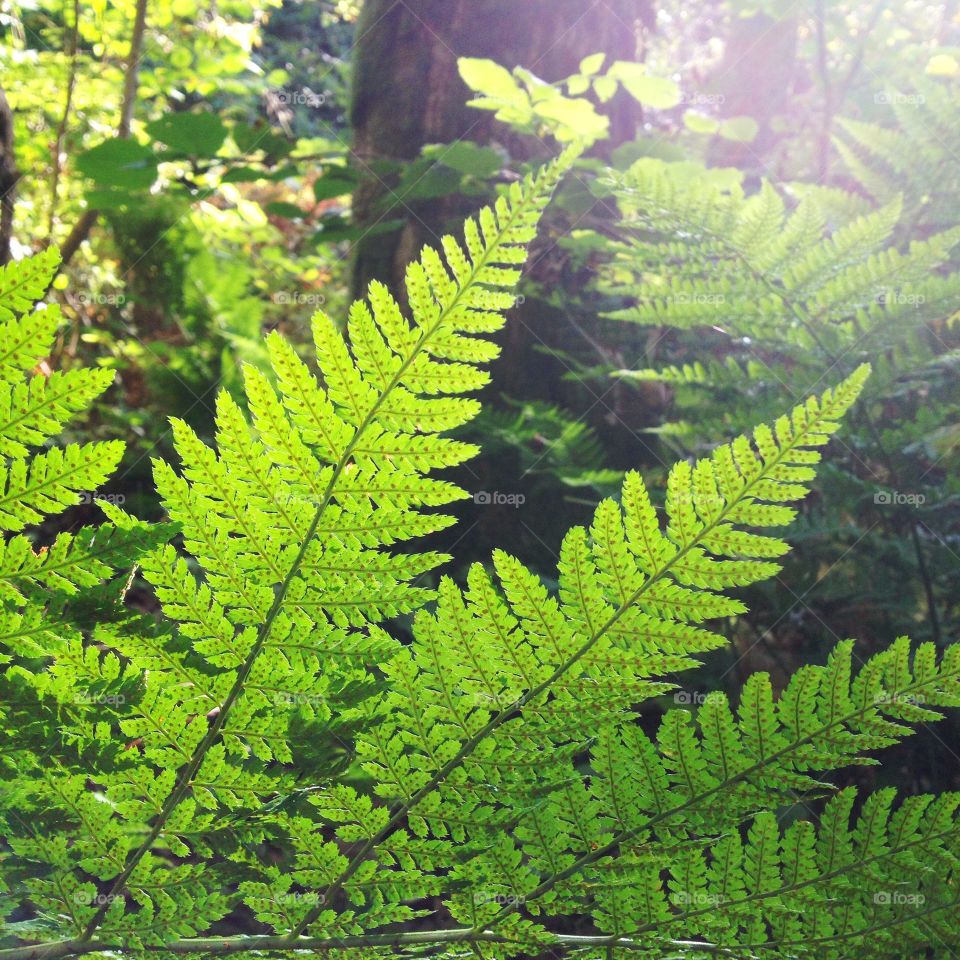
<point x="52" y="480"/>
<point x="24" y="282"/>
<point x="287" y="523"/>
<point x="910" y="153"/>
<point x="780" y="295"/>
<point x="805" y="891"/>
<point x="32" y="487"/>
<point x="441" y="747"/>
<point x="655" y="801"/>
<point x="52" y="680"/>
<point x="35" y="411"/>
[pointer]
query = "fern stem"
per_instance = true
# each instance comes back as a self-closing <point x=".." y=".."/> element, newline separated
<point x="57" y="167"/>
<point x="189" y="771"/>
<point x="228" y="945"/>
<point x="221" y="946"/>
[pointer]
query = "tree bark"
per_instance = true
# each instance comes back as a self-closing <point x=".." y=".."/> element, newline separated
<point x="756" y="79"/>
<point x="407" y="93"/>
<point x="9" y="176"/>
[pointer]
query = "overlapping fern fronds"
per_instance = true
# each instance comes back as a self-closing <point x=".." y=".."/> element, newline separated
<point x="274" y="617"/>
<point x="502" y="783"/>
<point x="37" y="483"/>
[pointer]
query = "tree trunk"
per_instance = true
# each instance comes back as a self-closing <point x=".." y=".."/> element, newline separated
<point x="408" y="93"/>
<point x="9" y="176"/>
<point x="756" y="79"/>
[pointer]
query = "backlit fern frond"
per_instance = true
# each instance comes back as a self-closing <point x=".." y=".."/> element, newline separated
<point x="42" y="582"/>
<point x="272" y="617"/>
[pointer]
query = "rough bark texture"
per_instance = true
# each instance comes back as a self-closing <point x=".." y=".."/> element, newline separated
<point x="9" y="175"/>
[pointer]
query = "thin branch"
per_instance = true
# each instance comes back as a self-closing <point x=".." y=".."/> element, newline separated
<point x="130" y="86"/>
<point x="77" y="235"/>
<point x="64" y="120"/>
<point x="131" y="80"/>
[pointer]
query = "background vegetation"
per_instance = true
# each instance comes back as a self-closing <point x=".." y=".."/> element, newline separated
<point x="216" y="171"/>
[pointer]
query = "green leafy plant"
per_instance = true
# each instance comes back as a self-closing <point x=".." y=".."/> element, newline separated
<point x="910" y="154"/>
<point x="757" y="294"/>
<point x="505" y="792"/>
<point x="523" y="100"/>
<point x="34" y="486"/>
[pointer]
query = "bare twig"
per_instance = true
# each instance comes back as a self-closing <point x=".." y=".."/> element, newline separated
<point x="130" y="86"/>
<point x="64" y="120"/>
<point x="228" y="945"/>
